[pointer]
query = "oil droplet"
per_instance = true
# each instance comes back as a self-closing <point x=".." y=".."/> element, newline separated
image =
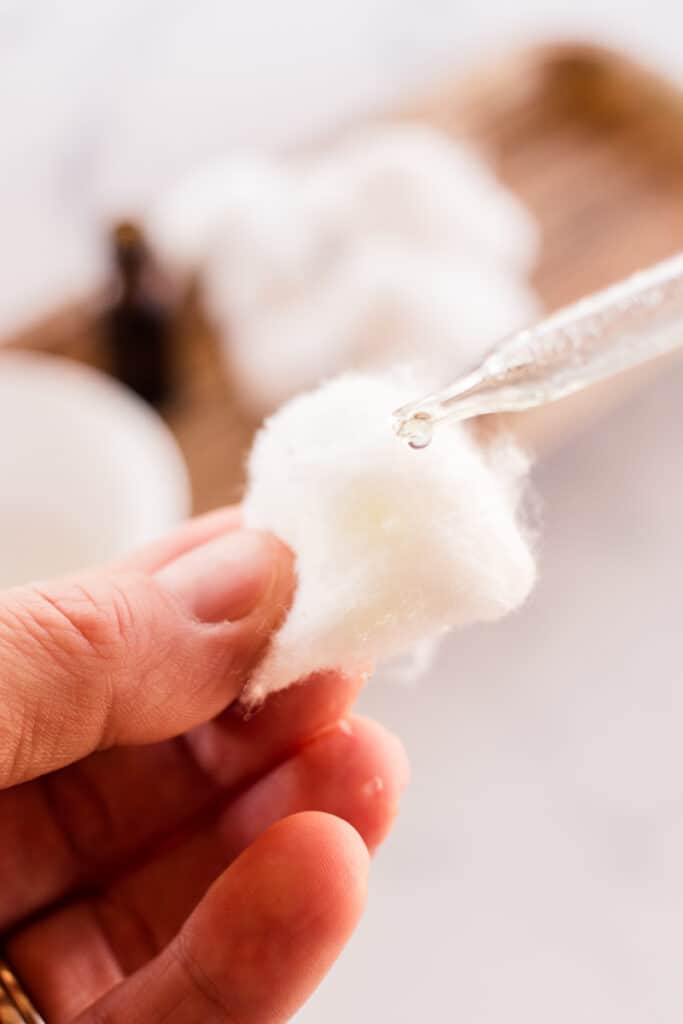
<point x="372" y="787"/>
<point x="417" y="430"/>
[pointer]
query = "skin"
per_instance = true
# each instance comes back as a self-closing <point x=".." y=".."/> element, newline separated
<point x="165" y="857"/>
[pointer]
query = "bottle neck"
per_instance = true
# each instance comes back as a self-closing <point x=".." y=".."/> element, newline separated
<point x="130" y="261"/>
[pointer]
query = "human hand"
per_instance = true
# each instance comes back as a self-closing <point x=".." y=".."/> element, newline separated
<point x="163" y="858"/>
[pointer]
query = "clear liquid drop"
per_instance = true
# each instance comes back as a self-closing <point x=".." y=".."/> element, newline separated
<point x="417" y="430"/>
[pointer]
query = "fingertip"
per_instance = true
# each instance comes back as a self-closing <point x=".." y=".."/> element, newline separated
<point x="317" y="873"/>
<point x="264" y="935"/>
<point x="382" y="745"/>
<point x="328" y="851"/>
<point x="387" y="774"/>
<point x="354" y="770"/>
<point x="365" y="770"/>
<point x="296" y="894"/>
<point x="340" y="857"/>
<point x="301" y="869"/>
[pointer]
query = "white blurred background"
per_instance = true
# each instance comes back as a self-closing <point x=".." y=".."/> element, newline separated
<point x="104" y="102"/>
<point x="537" y="871"/>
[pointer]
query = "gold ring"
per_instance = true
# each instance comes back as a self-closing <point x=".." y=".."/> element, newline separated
<point x="15" y="1005"/>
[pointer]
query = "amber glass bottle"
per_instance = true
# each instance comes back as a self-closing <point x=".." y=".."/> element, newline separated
<point x="138" y="324"/>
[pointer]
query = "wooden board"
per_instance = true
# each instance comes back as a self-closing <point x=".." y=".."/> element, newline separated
<point x="590" y="141"/>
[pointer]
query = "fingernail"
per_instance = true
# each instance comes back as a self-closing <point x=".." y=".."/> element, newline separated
<point x="226" y="578"/>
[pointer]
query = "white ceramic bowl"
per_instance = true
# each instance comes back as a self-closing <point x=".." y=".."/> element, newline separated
<point x="87" y="470"/>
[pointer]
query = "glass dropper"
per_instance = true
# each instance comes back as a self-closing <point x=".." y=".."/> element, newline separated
<point x="603" y="334"/>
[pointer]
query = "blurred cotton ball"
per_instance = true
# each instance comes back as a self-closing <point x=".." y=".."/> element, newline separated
<point x="393" y="546"/>
<point x="241" y="223"/>
<point x="413" y="183"/>
<point x="397" y="244"/>
<point x="385" y="303"/>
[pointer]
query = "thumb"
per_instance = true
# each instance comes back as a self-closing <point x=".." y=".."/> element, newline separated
<point x="125" y="657"/>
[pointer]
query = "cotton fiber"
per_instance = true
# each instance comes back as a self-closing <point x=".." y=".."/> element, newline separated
<point x="395" y="243"/>
<point x="393" y="546"/>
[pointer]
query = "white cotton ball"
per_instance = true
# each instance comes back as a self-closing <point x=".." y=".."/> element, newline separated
<point x="262" y="259"/>
<point x="293" y="348"/>
<point x="412" y="182"/>
<point x="241" y="224"/>
<point x="439" y="314"/>
<point x="385" y="304"/>
<point x="186" y="220"/>
<point x="393" y="546"/>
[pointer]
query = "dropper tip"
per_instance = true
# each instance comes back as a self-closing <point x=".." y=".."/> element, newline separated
<point x="465" y="398"/>
<point x="417" y="429"/>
